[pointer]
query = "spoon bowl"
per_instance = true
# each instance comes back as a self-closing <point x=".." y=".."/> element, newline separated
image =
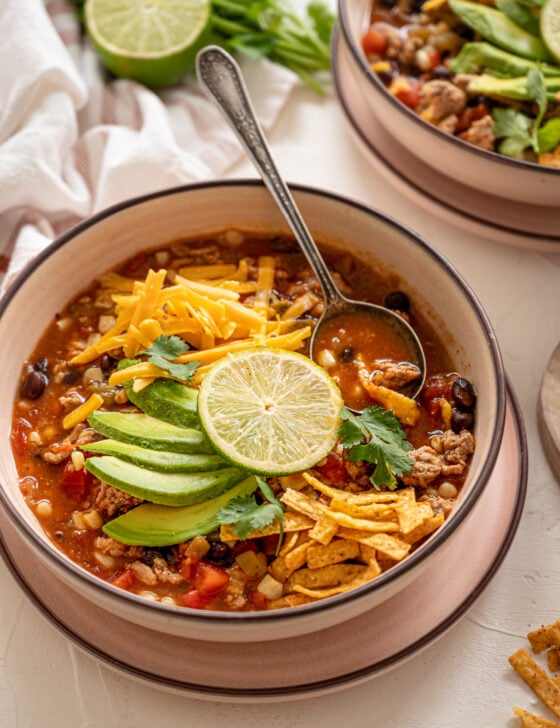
<point x="220" y="77"/>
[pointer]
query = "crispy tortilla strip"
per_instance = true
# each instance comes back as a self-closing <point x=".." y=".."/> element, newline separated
<point x="411" y="513"/>
<point x="289" y="543"/>
<point x="326" y="576"/>
<point x="529" y="720"/>
<point x="380" y="511"/>
<point x="369" y="556"/>
<point x="542" y="684"/>
<point x="335" y="552"/>
<point x="303" y="504"/>
<point x="284" y="566"/>
<point x="291" y="522"/>
<point x="290" y="600"/>
<point x="362" y="524"/>
<point x="369" y="496"/>
<point x="387" y="545"/>
<point x="553" y="659"/>
<point x="429" y="525"/>
<point x="324" y="530"/>
<point x="367" y="575"/>
<point x="544" y="637"/>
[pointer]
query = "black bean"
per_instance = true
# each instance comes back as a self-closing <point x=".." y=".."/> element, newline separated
<point x="463" y="393"/>
<point x="461" y="420"/>
<point x="33" y="385"/>
<point x="398" y="301"/>
<point x="220" y="553"/>
<point x="441" y="73"/>
<point x="386" y="77"/>
<point x="42" y="365"/>
<point x="346" y="354"/>
<point x="107" y="363"/>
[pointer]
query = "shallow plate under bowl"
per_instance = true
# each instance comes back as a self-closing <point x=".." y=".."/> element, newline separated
<point x="375" y="642"/>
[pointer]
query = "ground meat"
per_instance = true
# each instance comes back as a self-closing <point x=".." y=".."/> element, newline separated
<point x="112" y="501"/>
<point x="399" y="48"/>
<point x="108" y="545"/>
<point x="144" y="573"/>
<point x="438" y="504"/>
<point x="427" y="467"/>
<point x="164" y="573"/>
<point x="481" y="133"/>
<point x="456" y="449"/>
<point x="359" y="472"/>
<point x="440" y="99"/>
<point x="394" y="375"/>
<point x="235" y="590"/>
<point x="58" y="452"/>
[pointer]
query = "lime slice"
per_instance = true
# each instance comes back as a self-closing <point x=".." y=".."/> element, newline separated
<point x="550" y="26"/>
<point x="151" y="41"/>
<point x="270" y="411"/>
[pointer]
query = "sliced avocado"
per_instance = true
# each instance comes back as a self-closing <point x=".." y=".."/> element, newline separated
<point x="157" y="525"/>
<point x="145" y="431"/>
<point x="172" y="489"/>
<point x="162" y="460"/>
<point x="167" y="400"/>
<point x="494" y="26"/>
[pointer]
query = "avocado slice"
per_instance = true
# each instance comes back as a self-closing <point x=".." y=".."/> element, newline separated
<point x="162" y="460"/>
<point x="159" y="525"/>
<point x="167" y="400"/>
<point x="145" y="431"/>
<point x="172" y="489"/>
<point x="494" y="26"/>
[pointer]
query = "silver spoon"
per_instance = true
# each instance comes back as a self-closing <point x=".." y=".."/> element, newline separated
<point x="220" y="78"/>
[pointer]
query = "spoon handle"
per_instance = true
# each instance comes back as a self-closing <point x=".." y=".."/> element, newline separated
<point x="220" y="77"/>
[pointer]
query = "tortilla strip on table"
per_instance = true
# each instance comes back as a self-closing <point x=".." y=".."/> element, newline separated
<point x="542" y="684"/>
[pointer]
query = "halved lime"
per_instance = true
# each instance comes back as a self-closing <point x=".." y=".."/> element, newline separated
<point x="550" y="26"/>
<point x="270" y="411"/>
<point x="151" y="41"/>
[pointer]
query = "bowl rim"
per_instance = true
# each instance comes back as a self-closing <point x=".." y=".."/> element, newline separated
<point x="182" y="614"/>
<point x="373" y="80"/>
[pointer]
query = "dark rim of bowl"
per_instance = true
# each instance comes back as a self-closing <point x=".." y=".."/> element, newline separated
<point x="324" y="605"/>
<point x="360" y="59"/>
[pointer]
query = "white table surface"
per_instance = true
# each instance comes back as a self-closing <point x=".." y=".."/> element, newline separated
<point x="462" y="679"/>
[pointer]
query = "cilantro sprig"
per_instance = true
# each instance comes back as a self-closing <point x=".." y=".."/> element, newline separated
<point x="163" y="353"/>
<point x="248" y="515"/>
<point x="519" y="131"/>
<point x="377" y="437"/>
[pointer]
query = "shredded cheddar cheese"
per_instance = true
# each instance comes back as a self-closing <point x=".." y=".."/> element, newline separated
<point x="82" y="412"/>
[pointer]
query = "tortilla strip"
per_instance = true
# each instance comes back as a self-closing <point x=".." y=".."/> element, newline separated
<point x="429" y="525"/>
<point x="324" y="530"/>
<point x="362" y="524"/>
<point x="370" y="496"/>
<point x="546" y="636"/>
<point x="542" y="684"/>
<point x="553" y="659"/>
<point x="291" y="522"/>
<point x="327" y="576"/>
<point x="370" y="573"/>
<point x="335" y="552"/>
<point x="529" y="720"/>
<point x="387" y="545"/>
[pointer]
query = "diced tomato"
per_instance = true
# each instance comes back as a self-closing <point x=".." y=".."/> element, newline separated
<point x="75" y="483"/>
<point x="193" y="599"/>
<point x="270" y="543"/>
<point x="374" y="43"/>
<point x="20" y="431"/>
<point x="209" y="578"/>
<point x="333" y="469"/>
<point x="136" y="264"/>
<point x="410" y="93"/>
<point x="186" y="568"/>
<point x="240" y="546"/>
<point x="470" y="114"/>
<point x="259" y="600"/>
<point x="124" y="579"/>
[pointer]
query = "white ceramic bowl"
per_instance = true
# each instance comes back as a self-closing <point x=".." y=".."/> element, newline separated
<point x="72" y="261"/>
<point x="523" y="196"/>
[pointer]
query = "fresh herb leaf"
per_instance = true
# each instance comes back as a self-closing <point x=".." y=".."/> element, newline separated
<point x="513" y="128"/>
<point x="248" y="515"/>
<point x="549" y="135"/>
<point x="165" y="350"/>
<point x="273" y="29"/>
<point x="377" y="437"/>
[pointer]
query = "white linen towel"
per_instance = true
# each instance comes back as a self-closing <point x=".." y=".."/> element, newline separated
<point x="74" y="141"/>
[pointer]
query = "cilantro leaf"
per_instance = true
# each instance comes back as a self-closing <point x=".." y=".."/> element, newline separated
<point x="549" y="135"/>
<point x="377" y="437"/>
<point x="248" y="515"/>
<point x="513" y="127"/>
<point x="167" y="348"/>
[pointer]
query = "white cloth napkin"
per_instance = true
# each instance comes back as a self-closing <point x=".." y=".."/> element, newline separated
<point x="73" y="140"/>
